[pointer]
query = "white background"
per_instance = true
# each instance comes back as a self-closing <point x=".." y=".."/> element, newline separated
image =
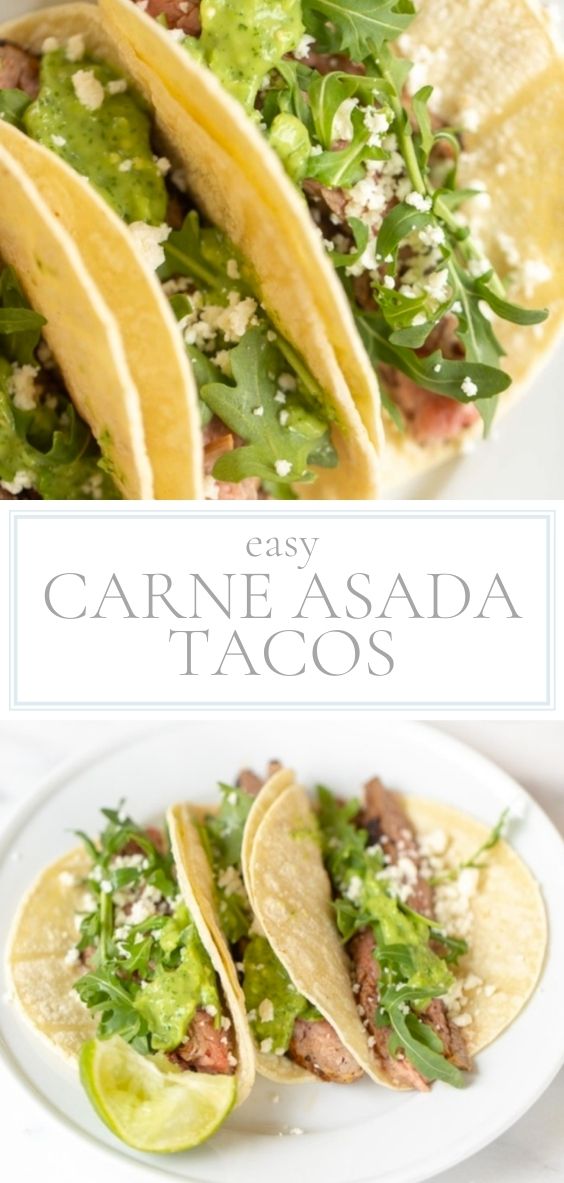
<point x="35" y="1148"/>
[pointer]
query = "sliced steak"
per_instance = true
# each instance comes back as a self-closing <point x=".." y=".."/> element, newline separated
<point x="207" y="1048"/>
<point x="317" y="1047"/>
<point x="251" y="783"/>
<point x="335" y="200"/>
<point x="325" y="63"/>
<point x="432" y="418"/>
<point x="367" y="972"/>
<point x="180" y="14"/>
<point x="19" y="70"/>
<point x="388" y="824"/>
<point x="451" y="1036"/>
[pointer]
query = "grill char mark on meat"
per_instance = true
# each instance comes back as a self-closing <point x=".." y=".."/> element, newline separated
<point x="387" y="823"/>
<point x="316" y="1047"/>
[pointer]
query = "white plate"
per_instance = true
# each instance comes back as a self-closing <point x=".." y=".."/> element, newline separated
<point x="361" y="1133"/>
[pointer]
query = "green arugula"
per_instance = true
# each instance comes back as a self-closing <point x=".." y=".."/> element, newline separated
<point x="13" y="105"/>
<point x="407" y="961"/>
<point x="358" y="27"/>
<point x="51" y="444"/>
<point x="270" y="446"/>
<point x="125" y="985"/>
<point x="222" y="837"/>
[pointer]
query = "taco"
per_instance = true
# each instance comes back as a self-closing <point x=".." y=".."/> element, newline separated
<point x="295" y="1041"/>
<point x="241" y="394"/>
<point x="434" y="190"/>
<point x="443" y="927"/>
<point x="70" y="422"/>
<point x="112" y="963"/>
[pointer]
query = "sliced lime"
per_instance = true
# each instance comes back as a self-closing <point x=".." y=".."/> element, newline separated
<point x="153" y="1106"/>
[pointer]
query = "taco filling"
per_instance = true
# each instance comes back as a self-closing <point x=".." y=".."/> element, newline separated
<point x="144" y="971"/>
<point x="266" y="425"/>
<point x="377" y="167"/>
<point x="402" y="934"/>
<point x="46" y="448"/>
<point x="282" y="1021"/>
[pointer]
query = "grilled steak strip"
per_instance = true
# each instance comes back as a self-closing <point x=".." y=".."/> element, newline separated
<point x="387" y="823"/>
<point x="317" y="1047"/>
<point x="207" y="1048"/>
<point x="180" y="14"/>
<point x="19" y="70"/>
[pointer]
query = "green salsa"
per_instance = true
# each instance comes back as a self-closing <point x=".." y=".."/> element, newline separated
<point x="241" y="40"/>
<point x="108" y="143"/>
<point x="273" y="1002"/>
<point x="170" y="999"/>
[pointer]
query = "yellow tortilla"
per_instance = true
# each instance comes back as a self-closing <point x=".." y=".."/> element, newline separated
<point x="292" y="900"/>
<point x="268" y="223"/>
<point x="153" y="345"/>
<point x="192" y="867"/>
<point x="494" y="64"/>
<point x="494" y="58"/>
<point x="80" y="330"/>
<point x="152" y="340"/>
<point x="42" y="981"/>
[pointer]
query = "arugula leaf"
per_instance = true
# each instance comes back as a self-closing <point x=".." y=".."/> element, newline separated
<point x="291" y="142"/>
<point x="507" y="311"/>
<point x="402" y="220"/>
<point x="20" y="326"/>
<point x="412" y="1036"/>
<point x="447" y="380"/>
<point x="361" y="26"/>
<point x="13" y="104"/>
<point x="202" y="253"/>
<point x="255" y="364"/>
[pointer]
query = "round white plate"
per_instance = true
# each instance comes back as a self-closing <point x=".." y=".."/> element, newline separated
<point x="326" y="1133"/>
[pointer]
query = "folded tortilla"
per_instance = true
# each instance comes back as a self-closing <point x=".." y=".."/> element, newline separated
<point x="291" y="897"/>
<point x="152" y="342"/>
<point x="493" y="57"/>
<point x="42" y="979"/>
<point x="80" y="330"/>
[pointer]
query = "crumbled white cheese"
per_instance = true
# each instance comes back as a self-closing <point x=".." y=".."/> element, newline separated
<point x="222" y="359"/>
<point x="389" y="282"/>
<point x="58" y="141"/>
<point x="125" y="166"/>
<point x="432" y="236"/>
<point x="287" y="381"/>
<point x="147" y="240"/>
<point x="377" y="123"/>
<point x="470" y="119"/>
<point x="67" y="879"/>
<point x="259" y="412"/>
<point x="233" y="269"/>
<point x="303" y="47"/>
<point x="418" y="201"/>
<point x="283" y="467"/>
<point x="163" y="164"/>
<point x="211" y="1010"/>
<point x="342" y="125"/>
<point x="468" y="387"/>
<point x="21" y="481"/>
<point x="479" y="267"/>
<point x="117" y="86"/>
<point x="22" y="387"/>
<point x="49" y="45"/>
<point x="88" y="90"/>
<point x="72" y="956"/>
<point x="230" y="881"/>
<point x="532" y="273"/>
<point x="75" y="48"/>
<point x="266" y="1011"/>
<point x="266" y="1046"/>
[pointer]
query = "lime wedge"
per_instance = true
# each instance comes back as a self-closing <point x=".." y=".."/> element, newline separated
<point x="152" y="1106"/>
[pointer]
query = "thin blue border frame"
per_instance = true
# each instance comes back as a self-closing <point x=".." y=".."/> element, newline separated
<point x="546" y="705"/>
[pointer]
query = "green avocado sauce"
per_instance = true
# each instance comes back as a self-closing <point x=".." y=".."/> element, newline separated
<point x="241" y="40"/>
<point x="266" y="981"/>
<point x="395" y="927"/>
<point x="110" y="145"/>
<point x="170" y="999"/>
